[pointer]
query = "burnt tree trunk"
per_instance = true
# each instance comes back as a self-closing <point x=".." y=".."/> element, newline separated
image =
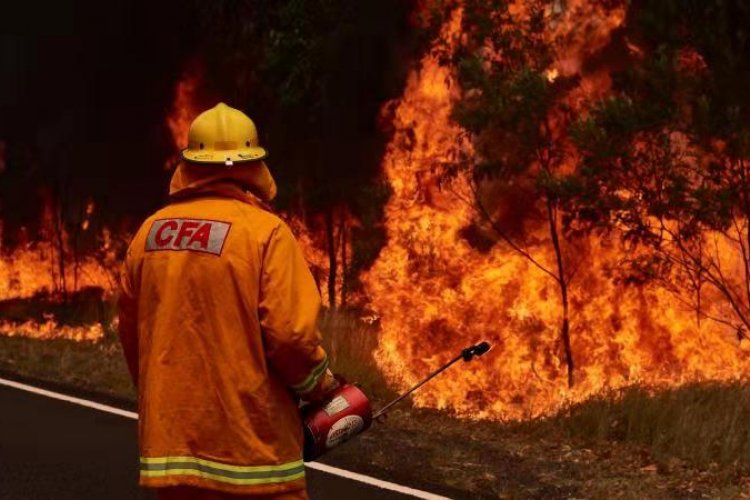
<point x="332" y="261"/>
<point x="699" y="287"/>
<point x="745" y="194"/>
<point x="344" y="264"/>
<point x="563" y="285"/>
<point x="77" y="229"/>
<point x="60" y="242"/>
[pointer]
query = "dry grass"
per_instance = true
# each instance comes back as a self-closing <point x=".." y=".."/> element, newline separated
<point x="701" y="423"/>
<point x="350" y="343"/>
<point x="98" y="367"/>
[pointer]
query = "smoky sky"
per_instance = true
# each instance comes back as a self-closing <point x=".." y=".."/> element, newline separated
<point x="86" y="86"/>
<point x="84" y="90"/>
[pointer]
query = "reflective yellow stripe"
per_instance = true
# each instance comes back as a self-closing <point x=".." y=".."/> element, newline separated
<point x="223" y="479"/>
<point x="219" y="465"/>
<point x="154" y="467"/>
<point x="309" y="383"/>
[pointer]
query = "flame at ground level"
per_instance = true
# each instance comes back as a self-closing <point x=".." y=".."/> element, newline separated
<point x="51" y="330"/>
<point x="35" y="268"/>
<point x="435" y="293"/>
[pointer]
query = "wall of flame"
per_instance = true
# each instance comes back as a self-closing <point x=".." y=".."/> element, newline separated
<point x="435" y="293"/>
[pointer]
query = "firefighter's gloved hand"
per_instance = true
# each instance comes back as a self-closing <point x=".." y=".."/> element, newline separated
<point x="326" y="385"/>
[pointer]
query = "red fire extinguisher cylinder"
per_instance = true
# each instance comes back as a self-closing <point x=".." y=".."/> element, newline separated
<point x="347" y="412"/>
<point x="328" y="424"/>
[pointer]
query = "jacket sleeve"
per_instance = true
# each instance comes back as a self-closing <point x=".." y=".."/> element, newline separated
<point x="288" y="307"/>
<point x="127" y="306"/>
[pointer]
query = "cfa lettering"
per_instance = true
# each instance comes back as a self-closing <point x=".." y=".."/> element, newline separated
<point x="187" y="234"/>
<point x="169" y="230"/>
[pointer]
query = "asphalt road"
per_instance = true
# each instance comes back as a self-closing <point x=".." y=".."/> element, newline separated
<point x="51" y="449"/>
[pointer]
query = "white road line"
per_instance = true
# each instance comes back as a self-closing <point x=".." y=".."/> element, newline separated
<point x="69" y="399"/>
<point x="386" y="485"/>
<point x="372" y="481"/>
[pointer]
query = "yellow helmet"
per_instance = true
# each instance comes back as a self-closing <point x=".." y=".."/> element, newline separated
<point x="223" y="135"/>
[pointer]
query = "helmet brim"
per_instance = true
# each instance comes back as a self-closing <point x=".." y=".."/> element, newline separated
<point x="213" y="157"/>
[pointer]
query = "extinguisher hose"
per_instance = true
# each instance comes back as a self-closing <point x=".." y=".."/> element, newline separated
<point x="467" y="355"/>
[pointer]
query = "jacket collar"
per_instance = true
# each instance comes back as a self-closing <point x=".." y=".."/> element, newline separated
<point x="254" y="177"/>
<point x="221" y="189"/>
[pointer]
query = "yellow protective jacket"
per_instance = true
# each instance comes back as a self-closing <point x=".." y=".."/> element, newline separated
<point x="218" y="315"/>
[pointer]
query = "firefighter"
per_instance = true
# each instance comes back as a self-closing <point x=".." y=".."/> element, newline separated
<point x="218" y="315"/>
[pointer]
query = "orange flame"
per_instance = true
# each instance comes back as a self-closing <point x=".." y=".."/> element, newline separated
<point x="51" y="330"/>
<point x="184" y="109"/>
<point x="49" y="268"/>
<point x="312" y="239"/>
<point x="435" y="293"/>
<point x="33" y="270"/>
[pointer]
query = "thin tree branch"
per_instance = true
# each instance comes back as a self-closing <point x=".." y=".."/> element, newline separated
<point x="483" y="211"/>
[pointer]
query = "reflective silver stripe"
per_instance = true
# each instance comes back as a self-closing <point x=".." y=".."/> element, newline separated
<point x="174" y="466"/>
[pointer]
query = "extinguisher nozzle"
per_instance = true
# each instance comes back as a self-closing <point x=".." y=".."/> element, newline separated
<point x="475" y="350"/>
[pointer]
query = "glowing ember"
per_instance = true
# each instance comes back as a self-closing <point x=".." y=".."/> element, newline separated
<point x="435" y="293"/>
<point x="551" y="74"/>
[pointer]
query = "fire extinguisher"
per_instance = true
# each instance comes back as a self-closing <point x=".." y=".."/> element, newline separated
<point x="347" y="411"/>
